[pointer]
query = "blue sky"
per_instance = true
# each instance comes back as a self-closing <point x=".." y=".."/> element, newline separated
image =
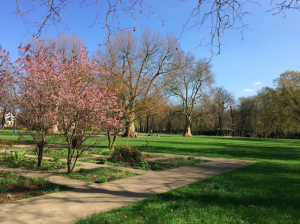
<point x="243" y="67"/>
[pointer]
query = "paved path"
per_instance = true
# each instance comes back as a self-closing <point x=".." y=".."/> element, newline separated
<point x="90" y="198"/>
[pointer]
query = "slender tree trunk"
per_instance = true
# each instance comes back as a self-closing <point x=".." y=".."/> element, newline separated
<point x="54" y="129"/>
<point x="111" y="144"/>
<point x="141" y="125"/>
<point x="147" y="123"/>
<point x="152" y="124"/>
<point x="169" y="127"/>
<point x="187" y="132"/>
<point x="40" y="146"/>
<point x="232" y="121"/>
<point x="221" y="124"/>
<point x="242" y="128"/>
<point x="76" y="144"/>
<point x="3" y="118"/>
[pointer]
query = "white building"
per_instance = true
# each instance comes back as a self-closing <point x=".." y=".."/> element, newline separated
<point x="9" y="120"/>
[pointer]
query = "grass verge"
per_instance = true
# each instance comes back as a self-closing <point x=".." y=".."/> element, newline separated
<point x="14" y="187"/>
<point x="61" y="154"/>
<point x="98" y="175"/>
<point x="182" y="160"/>
<point x="30" y="163"/>
<point x="144" y="165"/>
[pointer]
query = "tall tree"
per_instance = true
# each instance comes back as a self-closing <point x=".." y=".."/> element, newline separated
<point x="190" y="83"/>
<point x="223" y="99"/>
<point x="288" y="85"/>
<point x="267" y="110"/>
<point x="245" y="107"/>
<point x="138" y="65"/>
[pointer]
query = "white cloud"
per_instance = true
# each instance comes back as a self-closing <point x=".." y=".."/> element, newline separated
<point x="248" y="90"/>
<point x="257" y="83"/>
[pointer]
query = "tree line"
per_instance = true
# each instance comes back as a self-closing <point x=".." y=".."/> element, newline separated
<point x="162" y="88"/>
<point x="272" y="112"/>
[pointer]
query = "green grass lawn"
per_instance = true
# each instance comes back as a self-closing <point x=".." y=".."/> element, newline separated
<point x="98" y="175"/>
<point x="15" y="187"/>
<point x="265" y="192"/>
<point x="30" y="163"/>
<point x="190" y="160"/>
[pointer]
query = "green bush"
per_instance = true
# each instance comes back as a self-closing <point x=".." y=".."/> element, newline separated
<point x="99" y="151"/>
<point x="102" y="179"/>
<point x="18" y="154"/>
<point x="248" y="134"/>
<point x="102" y="161"/>
<point x="126" y="154"/>
<point x="157" y="167"/>
<point x="144" y="165"/>
<point x="56" y="158"/>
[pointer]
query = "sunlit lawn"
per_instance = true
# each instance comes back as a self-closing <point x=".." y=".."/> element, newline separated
<point x="265" y="192"/>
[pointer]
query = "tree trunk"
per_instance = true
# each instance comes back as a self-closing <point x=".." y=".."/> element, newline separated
<point x="130" y="129"/>
<point x="221" y="124"/>
<point x="147" y="123"/>
<point x="3" y="118"/>
<point x="54" y="129"/>
<point x="76" y="144"/>
<point x="40" y="146"/>
<point x="111" y="144"/>
<point x="232" y="121"/>
<point x="187" y="132"/>
<point x="141" y="125"/>
<point x="129" y="124"/>
<point x="169" y="127"/>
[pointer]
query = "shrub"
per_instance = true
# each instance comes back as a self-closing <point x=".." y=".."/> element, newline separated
<point x="144" y="165"/>
<point x="248" y="134"/>
<point x="102" y="161"/>
<point x="102" y="179"/>
<point x="81" y="170"/>
<point x="56" y="158"/>
<point x="157" y="167"/>
<point x="99" y="151"/>
<point x="126" y="154"/>
<point x="18" y="154"/>
<point x="192" y="158"/>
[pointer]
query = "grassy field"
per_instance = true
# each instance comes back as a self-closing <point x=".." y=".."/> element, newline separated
<point x="265" y="192"/>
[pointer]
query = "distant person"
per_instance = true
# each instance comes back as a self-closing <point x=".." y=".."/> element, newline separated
<point x="14" y="131"/>
<point x="157" y="135"/>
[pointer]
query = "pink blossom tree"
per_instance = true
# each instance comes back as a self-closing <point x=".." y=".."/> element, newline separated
<point x="47" y="90"/>
<point x="32" y="81"/>
<point x="86" y="106"/>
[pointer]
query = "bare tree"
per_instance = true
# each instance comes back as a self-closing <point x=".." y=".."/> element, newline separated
<point x="190" y="83"/>
<point x="67" y="45"/>
<point x="219" y="15"/>
<point x="137" y="67"/>
<point x="223" y="99"/>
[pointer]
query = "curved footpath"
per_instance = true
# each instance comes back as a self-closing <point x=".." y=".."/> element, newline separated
<point x="91" y="198"/>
